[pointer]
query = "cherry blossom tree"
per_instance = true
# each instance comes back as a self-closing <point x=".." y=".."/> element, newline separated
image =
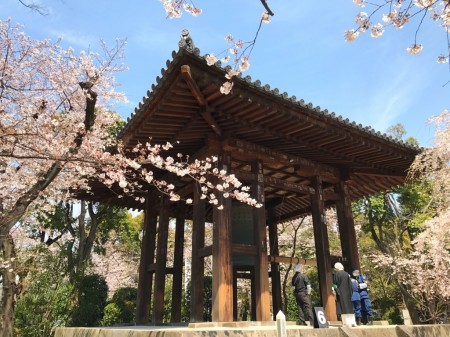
<point x="411" y="229"/>
<point x="424" y="272"/>
<point x="56" y="131"/>
<point x="398" y="13"/>
<point x="237" y="52"/>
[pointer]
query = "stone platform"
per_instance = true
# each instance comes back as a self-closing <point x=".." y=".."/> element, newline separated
<point x="256" y="329"/>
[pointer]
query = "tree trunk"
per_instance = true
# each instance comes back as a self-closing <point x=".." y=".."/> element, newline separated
<point x="409" y="303"/>
<point x="9" y="284"/>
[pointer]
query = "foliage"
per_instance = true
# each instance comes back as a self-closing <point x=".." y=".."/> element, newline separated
<point x="291" y="310"/>
<point x="47" y="296"/>
<point x="111" y="315"/>
<point x="125" y="298"/>
<point x="207" y="305"/>
<point x="92" y="295"/>
<point x="126" y="236"/>
<point x="122" y="307"/>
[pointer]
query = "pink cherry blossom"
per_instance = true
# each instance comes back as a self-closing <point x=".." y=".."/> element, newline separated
<point x="414" y="49"/>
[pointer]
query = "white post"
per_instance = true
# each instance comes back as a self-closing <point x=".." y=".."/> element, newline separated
<point x="281" y="324"/>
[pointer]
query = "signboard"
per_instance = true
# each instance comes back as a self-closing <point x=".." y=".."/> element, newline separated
<point x="320" y="319"/>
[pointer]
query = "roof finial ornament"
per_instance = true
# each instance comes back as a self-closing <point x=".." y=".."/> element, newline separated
<point x="186" y="41"/>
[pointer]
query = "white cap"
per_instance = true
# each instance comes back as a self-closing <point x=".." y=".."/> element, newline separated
<point x="298" y="267"/>
<point x="338" y="266"/>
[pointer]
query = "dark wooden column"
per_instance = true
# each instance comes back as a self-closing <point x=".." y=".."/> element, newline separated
<point x="262" y="292"/>
<point x="161" y="260"/>
<point x="177" y="286"/>
<point x="222" y="292"/>
<point x="277" y="302"/>
<point x="322" y="251"/>
<point x="198" y="265"/>
<point x="346" y="227"/>
<point x="147" y="258"/>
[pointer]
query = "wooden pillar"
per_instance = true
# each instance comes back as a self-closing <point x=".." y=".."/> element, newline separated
<point x="262" y="292"/>
<point x="322" y="251"/>
<point x="161" y="260"/>
<point x="147" y="258"/>
<point x="177" y="285"/>
<point x="222" y="283"/>
<point x="197" y="263"/>
<point x="347" y="232"/>
<point x="277" y="302"/>
<point x="235" y="295"/>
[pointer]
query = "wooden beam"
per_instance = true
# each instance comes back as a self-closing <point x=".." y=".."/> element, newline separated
<point x="288" y="186"/>
<point x="306" y="167"/>
<point x="330" y="195"/>
<point x="177" y="285"/>
<point x="222" y="297"/>
<point x="346" y="226"/>
<point x="273" y="203"/>
<point x="187" y="76"/>
<point x="374" y="173"/>
<point x="262" y="293"/>
<point x="205" y="251"/>
<point x="198" y="265"/>
<point x="200" y="98"/>
<point x="186" y="190"/>
<point x="206" y="114"/>
<point x="292" y="260"/>
<point x="277" y="303"/>
<point x="274" y="182"/>
<point x="322" y="251"/>
<point x="243" y="249"/>
<point x="161" y="260"/>
<point x="147" y="256"/>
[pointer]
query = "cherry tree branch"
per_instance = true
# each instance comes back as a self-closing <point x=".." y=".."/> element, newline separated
<point x="266" y="6"/>
<point x="34" y="7"/>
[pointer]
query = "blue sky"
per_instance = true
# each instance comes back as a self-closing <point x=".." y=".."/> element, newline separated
<point x="302" y="51"/>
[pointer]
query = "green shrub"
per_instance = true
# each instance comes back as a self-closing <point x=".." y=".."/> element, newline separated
<point x="207" y="302"/>
<point x="92" y="295"/>
<point x="125" y="300"/>
<point x="111" y="315"/>
<point x="46" y="300"/>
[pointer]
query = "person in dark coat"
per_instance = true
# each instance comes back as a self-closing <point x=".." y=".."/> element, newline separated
<point x="301" y="291"/>
<point x="342" y="288"/>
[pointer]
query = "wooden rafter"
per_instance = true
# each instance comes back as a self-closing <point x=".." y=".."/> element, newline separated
<point x="274" y="182"/>
<point x="205" y="111"/>
<point x="306" y="167"/>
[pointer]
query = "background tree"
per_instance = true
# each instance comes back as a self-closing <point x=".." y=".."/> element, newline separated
<point x="79" y="235"/>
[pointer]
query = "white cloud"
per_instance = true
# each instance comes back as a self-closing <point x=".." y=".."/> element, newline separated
<point x="75" y="39"/>
<point x="152" y="39"/>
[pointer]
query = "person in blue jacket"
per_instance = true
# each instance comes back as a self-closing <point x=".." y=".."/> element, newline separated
<point x="356" y="299"/>
<point x="366" y="304"/>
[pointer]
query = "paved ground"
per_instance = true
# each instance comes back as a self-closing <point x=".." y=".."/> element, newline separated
<point x="258" y="331"/>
